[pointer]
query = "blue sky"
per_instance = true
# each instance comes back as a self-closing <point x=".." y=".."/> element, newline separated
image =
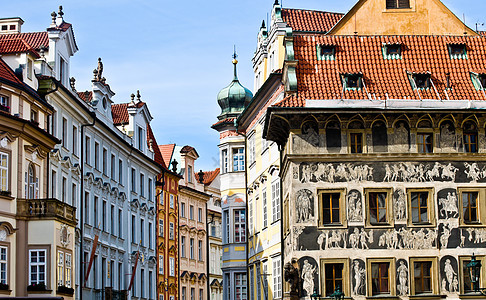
<point x="177" y="53"/>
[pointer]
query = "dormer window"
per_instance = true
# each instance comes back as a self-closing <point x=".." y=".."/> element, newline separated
<point x="421" y="80"/>
<point x="12" y="27"/>
<point x="4" y="27"/>
<point x="326" y="52"/>
<point x="479" y="81"/>
<point x="397" y="4"/>
<point x="392" y="51"/>
<point x="457" y="51"/>
<point x="352" y="81"/>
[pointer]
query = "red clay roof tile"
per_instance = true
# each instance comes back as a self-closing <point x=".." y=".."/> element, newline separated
<point x="310" y="20"/>
<point x="119" y="113"/>
<point x="385" y="78"/>
<point x="167" y="151"/>
<point x="7" y="73"/>
<point x="208" y="177"/>
<point x="36" y="40"/>
<point x="86" y="96"/>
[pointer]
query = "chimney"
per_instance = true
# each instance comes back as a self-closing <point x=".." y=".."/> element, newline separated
<point x="10" y="25"/>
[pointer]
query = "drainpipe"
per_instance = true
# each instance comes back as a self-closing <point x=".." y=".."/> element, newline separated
<point x="282" y="244"/>
<point x="81" y="204"/>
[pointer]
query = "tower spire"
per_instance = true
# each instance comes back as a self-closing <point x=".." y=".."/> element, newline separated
<point x="235" y="62"/>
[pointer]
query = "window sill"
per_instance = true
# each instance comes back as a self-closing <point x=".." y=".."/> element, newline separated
<point x="378" y="226"/>
<point x="273" y="222"/>
<point x="422" y="225"/>
<point x="475" y="225"/>
<point x="471" y="296"/>
<point x="5" y="292"/>
<point x="427" y="296"/>
<point x="383" y="297"/>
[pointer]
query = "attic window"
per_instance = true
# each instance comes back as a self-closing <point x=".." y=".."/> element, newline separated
<point x="392" y="51"/>
<point x="457" y="51"/>
<point x="353" y="81"/>
<point x="4" y="27"/>
<point x="479" y="81"/>
<point x="326" y="52"/>
<point x="12" y="27"/>
<point x="421" y="80"/>
<point x="394" y="4"/>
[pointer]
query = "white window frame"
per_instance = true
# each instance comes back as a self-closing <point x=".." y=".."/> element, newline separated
<point x="3" y="264"/>
<point x="277" y="277"/>
<point x="4" y="180"/>
<point x="35" y="266"/>
<point x="276" y="200"/>
<point x="171" y="266"/>
<point x="171" y="230"/>
<point x="161" y="264"/>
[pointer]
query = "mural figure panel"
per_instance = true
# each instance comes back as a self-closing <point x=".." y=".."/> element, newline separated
<point x="400" y="206"/>
<point x="402" y="277"/>
<point x="304" y="205"/>
<point x="310" y="133"/>
<point x="309" y="275"/>
<point x="448" y="204"/>
<point x="355" y="212"/>
<point x="448" y="271"/>
<point x="359" y="277"/>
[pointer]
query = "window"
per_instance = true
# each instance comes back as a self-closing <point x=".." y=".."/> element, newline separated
<point x="150" y="187"/>
<point x="75" y="140"/>
<point x="277" y="278"/>
<point x="381" y="277"/>
<point x="425" y="137"/>
<point x="352" y="81"/>
<point x="64" y="269"/>
<point x="200" y="250"/>
<point x="3" y="265"/>
<point x="250" y="217"/>
<point x="63" y="189"/>
<point x="62" y="71"/>
<point x="134" y="240"/>
<point x="264" y="204"/>
<point x="191" y="248"/>
<point x="252" y="285"/>
<point x="238" y="160"/>
<point x="457" y="51"/>
<point x="470" y="135"/>
<point x="239" y="224"/>
<point x="421" y="81"/>
<point x="183" y="209"/>
<point x="161" y="227"/>
<point x="184" y="293"/>
<point x="472" y="212"/>
<point x="161" y="264"/>
<point x="224" y="161"/>
<point x="240" y="286"/>
<point x="424" y="276"/>
<point x="64" y="132"/>
<point x="201" y="297"/>
<point x="335" y="273"/>
<point x="112" y="166"/>
<point x="142" y="231"/>
<point x="171" y="201"/>
<point x="53" y="179"/>
<point x="393" y="4"/>
<point x="275" y="200"/>
<point x="326" y="52"/>
<point x="171" y="266"/>
<point x="120" y="220"/>
<point x="479" y="81"/>
<point x="133" y="180"/>
<point x="379" y="136"/>
<point x="4" y="103"/>
<point x="32" y="183"/>
<point x="74" y="193"/>
<point x="142" y="283"/>
<point x="86" y="207"/>
<point x="4" y="172"/>
<point x="465" y="275"/>
<point x="193" y="294"/>
<point x="356" y="142"/>
<point x="87" y="156"/>
<point x="140" y="138"/>
<point x="199" y="215"/>
<point x="333" y="136"/>
<point x="105" y="161"/>
<point x="331" y="210"/>
<point x="191" y="212"/>
<point x="171" y="231"/>
<point x="189" y="174"/>
<point x="251" y="149"/>
<point x="95" y="212"/>
<point x="227" y="283"/>
<point x="150" y="236"/>
<point x="470" y="207"/>
<point x="226" y="236"/>
<point x="37" y="266"/>
<point x="142" y="185"/>
<point x="120" y="171"/>
<point x="392" y="51"/>
<point x="379" y="206"/>
<point x="183" y="246"/>
<point x="421" y="208"/>
<point x="103" y="217"/>
<point x="97" y="155"/>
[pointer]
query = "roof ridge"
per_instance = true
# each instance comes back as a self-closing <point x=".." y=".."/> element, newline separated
<point x="313" y="10"/>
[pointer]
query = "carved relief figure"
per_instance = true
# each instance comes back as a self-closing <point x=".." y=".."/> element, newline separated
<point x="472" y="171"/>
<point x="297" y="231"/>
<point x="304" y="204"/>
<point x="410" y="172"/>
<point x="450" y="274"/>
<point x="444" y="238"/>
<point x="449" y="206"/>
<point x="390" y="239"/>
<point x="422" y="239"/>
<point x="400" y="205"/>
<point x="308" y="276"/>
<point x="354" y="206"/>
<point x="354" y="239"/>
<point x="320" y="240"/>
<point x="402" y="272"/>
<point x="334" y="240"/>
<point x="364" y="238"/>
<point x="359" y="278"/>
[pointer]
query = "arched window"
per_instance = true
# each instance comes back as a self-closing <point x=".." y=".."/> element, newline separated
<point x="356" y="139"/>
<point x="425" y="137"/>
<point x="333" y="136"/>
<point x="470" y="136"/>
<point x="380" y="136"/>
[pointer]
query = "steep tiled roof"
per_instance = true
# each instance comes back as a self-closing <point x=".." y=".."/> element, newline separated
<point x="209" y="176"/>
<point x="16" y="45"/>
<point x="87" y="96"/>
<point x="166" y="151"/>
<point x="186" y="149"/>
<point x="119" y="113"/>
<point x="224" y="121"/>
<point x="386" y="78"/>
<point x="35" y="40"/>
<point x="310" y="20"/>
<point x="157" y="155"/>
<point x="7" y="74"/>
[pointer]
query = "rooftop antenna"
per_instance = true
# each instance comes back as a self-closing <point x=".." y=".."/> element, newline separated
<point x="465" y="26"/>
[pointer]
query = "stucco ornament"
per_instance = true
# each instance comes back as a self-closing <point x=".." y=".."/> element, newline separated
<point x="64" y="235"/>
<point x="451" y="275"/>
<point x="412" y="172"/>
<point x="400" y="205"/>
<point x="3" y="235"/>
<point x="359" y="278"/>
<point x="308" y="276"/>
<point x="449" y="206"/>
<point x="3" y="142"/>
<point x="354" y="207"/>
<point x="304" y="203"/>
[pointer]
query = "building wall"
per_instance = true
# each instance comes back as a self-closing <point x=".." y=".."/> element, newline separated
<point x="392" y="165"/>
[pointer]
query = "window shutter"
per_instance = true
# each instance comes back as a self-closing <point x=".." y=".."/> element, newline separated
<point x="391" y="4"/>
<point x="403" y="3"/>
